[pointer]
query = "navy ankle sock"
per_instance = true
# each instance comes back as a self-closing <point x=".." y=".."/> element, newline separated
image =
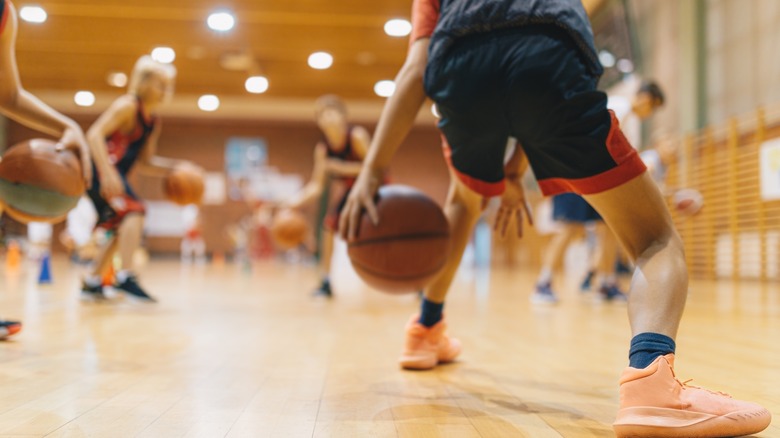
<point x="646" y="347"/>
<point x="430" y="313"/>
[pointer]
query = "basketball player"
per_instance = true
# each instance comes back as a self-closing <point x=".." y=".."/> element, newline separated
<point x="338" y="155"/>
<point x="528" y="69"/>
<point x="125" y="137"/>
<point x="21" y="106"/>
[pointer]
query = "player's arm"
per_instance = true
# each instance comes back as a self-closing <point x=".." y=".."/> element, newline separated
<point x="314" y="188"/>
<point x="152" y="164"/>
<point x="361" y="141"/>
<point x="394" y="124"/>
<point x="21" y="106"/>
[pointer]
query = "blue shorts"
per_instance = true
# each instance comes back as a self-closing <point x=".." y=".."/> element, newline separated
<point x="530" y="83"/>
<point x="568" y="207"/>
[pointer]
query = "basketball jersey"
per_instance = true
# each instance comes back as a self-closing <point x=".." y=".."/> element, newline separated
<point x="3" y="14"/>
<point x="124" y="149"/>
<point x="346" y="154"/>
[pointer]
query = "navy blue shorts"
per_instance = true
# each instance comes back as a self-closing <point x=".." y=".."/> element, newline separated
<point x="568" y="207"/>
<point x="532" y="84"/>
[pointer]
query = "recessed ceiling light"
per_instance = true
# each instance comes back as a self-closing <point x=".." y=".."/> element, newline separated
<point x="320" y="60"/>
<point x="384" y="88"/>
<point x="117" y="79"/>
<point x="607" y="59"/>
<point x="256" y="84"/>
<point x="33" y="14"/>
<point x="84" y="98"/>
<point x="625" y="66"/>
<point x="166" y="55"/>
<point x="398" y="27"/>
<point x="221" y="21"/>
<point x="208" y="102"/>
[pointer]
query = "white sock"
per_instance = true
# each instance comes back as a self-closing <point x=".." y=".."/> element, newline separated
<point x="123" y="275"/>
<point x="545" y="276"/>
<point x="93" y="281"/>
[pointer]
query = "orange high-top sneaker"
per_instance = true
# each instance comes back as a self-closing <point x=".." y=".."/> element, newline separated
<point x="426" y="347"/>
<point x="653" y="403"/>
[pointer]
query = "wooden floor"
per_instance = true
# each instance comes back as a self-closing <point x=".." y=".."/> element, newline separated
<point x="230" y="353"/>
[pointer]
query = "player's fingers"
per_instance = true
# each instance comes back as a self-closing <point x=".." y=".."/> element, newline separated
<point x="519" y="222"/>
<point x="528" y="213"/>
<point x="354" y="219"/>
<point x="373" y="213"/>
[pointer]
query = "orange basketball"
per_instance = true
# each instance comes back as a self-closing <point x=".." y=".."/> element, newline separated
<point x="289" y="229"/>
<point x="409" y="246"/>
<point x="39" y="183"/>
<point x="688" y="202"/>
<point x="184" y="185"/>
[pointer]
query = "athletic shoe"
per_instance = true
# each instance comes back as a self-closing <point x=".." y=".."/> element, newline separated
<point x="544" y="295"/>
<point x="586" y="283"/>
<point x="653" y="403"/>
<point x="324" y="290"/>
<point x="611" y="293"/>
<point x="427" y="347"/>
<point x="8" y="328"/>
<point x="92" y="293"/>
<point x="131" y="287"/>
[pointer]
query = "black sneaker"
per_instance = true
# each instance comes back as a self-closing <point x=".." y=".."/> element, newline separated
<point x="92" y="293"/>
<point x="586" y="283"/>
<point x="8" y="328"/>
<point x="611" y="293"/>
<point x="131" y="287"/>
<point x="324" y="290"/>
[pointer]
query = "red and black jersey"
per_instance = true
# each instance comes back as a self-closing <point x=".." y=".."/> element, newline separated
<point x="347" y="153"/>
<point x="3" y="14"/>
<point x="124" y="149"/>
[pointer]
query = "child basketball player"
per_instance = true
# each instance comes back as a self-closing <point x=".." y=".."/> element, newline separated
<point x="122" y="138"/>
<point x="21" y="106"/>
<point x="339" y="155"/>
<point x="528" y="69"/>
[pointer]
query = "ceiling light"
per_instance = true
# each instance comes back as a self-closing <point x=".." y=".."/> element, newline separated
<point x="33" y="14"/>
<point x="84" y="98"/>
<point x="384" y="88"/>
<point x="625" y="66"/>
<point x="320" y="60"/>
<point x="166" y="55"/>
<point x="607" y="59"/>
<point x="117" y="79"/>
<point x="398" y="27"/>
<point x="256" y="84"/>
<point x="221" y="21"/>
<point x="208" y="102"/>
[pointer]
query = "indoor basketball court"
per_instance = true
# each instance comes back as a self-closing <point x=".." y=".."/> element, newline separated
<point x="225" y="219"/>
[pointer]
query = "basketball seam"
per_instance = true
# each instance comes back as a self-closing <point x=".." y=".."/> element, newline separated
<point x="397" y="277"/>
<point x="396" y="238"/>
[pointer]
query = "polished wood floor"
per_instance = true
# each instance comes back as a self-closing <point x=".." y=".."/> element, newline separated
<point x="231" y="353"/>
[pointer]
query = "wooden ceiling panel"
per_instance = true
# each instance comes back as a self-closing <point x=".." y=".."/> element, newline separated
<point x="83" y="41"/>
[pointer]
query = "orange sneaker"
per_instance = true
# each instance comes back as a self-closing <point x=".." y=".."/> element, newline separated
<point x="653" y="403"/>
<point x="427" y="347"/>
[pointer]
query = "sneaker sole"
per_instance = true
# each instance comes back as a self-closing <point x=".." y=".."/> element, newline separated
<point x="646" y="422"/>
<point x="416" y="363"/>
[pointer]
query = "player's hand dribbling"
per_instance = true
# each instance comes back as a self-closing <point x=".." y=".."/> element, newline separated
<point x="361" y="197"/>
<point x="73" y="139"/>
<point x="513" y="204"/>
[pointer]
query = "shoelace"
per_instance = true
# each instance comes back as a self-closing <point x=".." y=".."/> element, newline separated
<point x="685" y="385"/>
